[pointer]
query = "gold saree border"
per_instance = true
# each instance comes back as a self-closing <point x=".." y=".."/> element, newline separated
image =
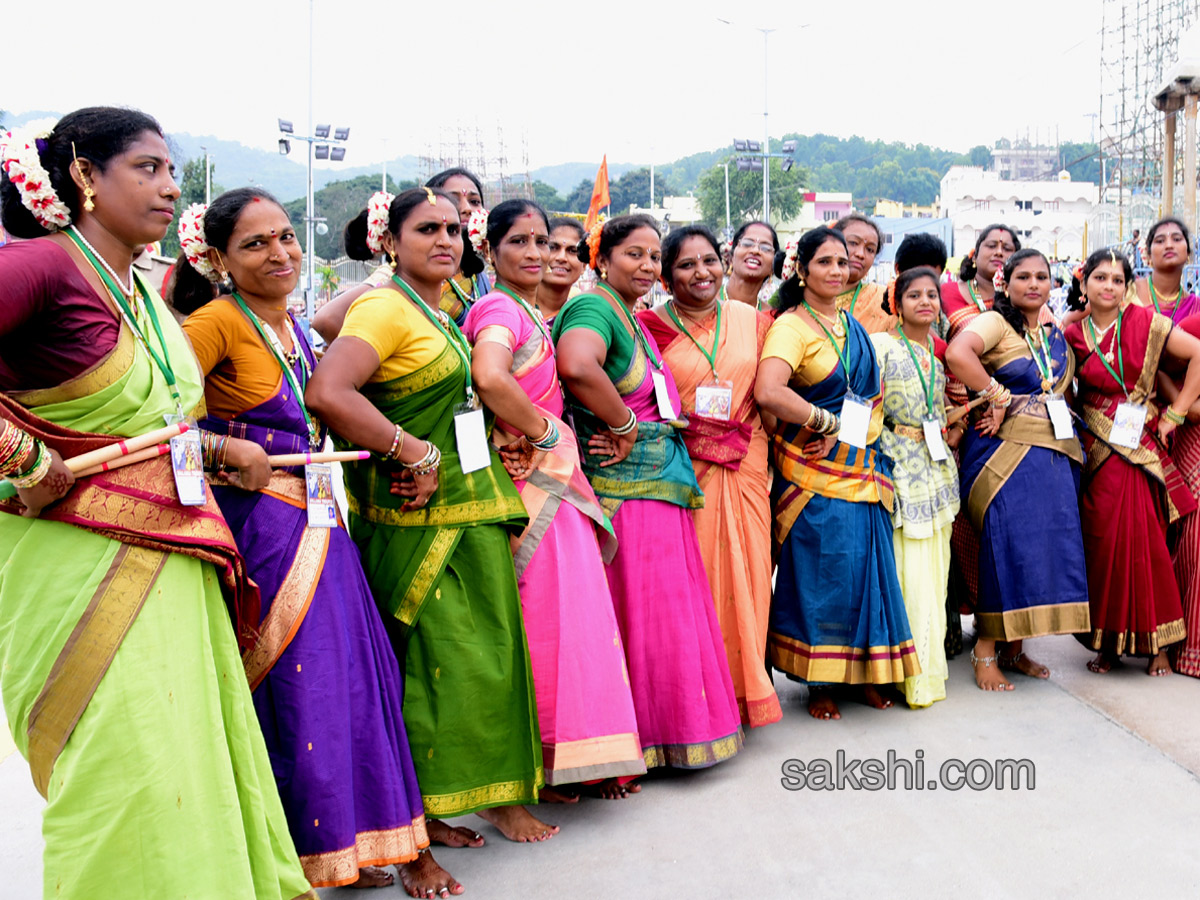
<point x="384" y="847"/>
<point x="991" y="478"/>
<point x="1035" y="621"/>
<point x="87" y="654"/>
<point x="431" y="567"/>
<point x="290" y="606"/>
<point x="842" y="664"/>
<point x="445" y="364"/>
<point x="103" y="374"/>
<point x="1138" y="643"/>
<point x="500" y="793"/>
<point x="471" y="513"/>
<point x="603" y="756"/>
<point x="694" y="756"/>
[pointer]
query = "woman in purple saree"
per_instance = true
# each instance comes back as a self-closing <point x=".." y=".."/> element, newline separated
<point x="325" y="683"/>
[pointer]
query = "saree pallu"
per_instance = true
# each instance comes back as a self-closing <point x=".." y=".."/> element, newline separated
<point x="687" y="714"/>
<point x="443" y="579"/>
<point x="734" y="525"/>
<point x="325" y="682"/>
<point x="118" y="653"/>
<point x="585" y="709"/>
<point x="838" y="614"/>
<point x="1130" y="497"/>
<point x="1021" y="493"/>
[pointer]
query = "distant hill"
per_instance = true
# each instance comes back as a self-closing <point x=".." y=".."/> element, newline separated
<point x="564" y="177"/>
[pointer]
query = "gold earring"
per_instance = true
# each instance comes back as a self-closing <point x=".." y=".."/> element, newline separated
<point x="391" y="258"/>
<point x="604" y="273"/>
<point x="88" y="203"/>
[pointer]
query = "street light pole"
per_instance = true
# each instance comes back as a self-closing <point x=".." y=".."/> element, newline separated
<point x="728" y="224"/>
<point x="309" y="297"/>
<point x="207" y="179"/>
<point x="766" y="32"/>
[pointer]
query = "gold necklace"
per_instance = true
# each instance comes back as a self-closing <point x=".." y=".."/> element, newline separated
<point x="835" y="323"/>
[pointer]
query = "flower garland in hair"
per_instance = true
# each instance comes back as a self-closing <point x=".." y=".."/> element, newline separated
<point x="999" y="285"/>
<point x="193" y="243"/>
<point x="477" y="229"/>
<point x="789" y="259"/>
<point x="378" y="208"/>
<point x="593" y="242"/>
<point x="23" y="165"/>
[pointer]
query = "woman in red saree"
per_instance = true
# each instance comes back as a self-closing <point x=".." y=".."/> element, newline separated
<point x="1132" y="490"/>
<point x="712" y="349"/>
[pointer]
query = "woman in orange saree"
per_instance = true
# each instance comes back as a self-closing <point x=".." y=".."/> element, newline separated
<point x="713" y="349"/>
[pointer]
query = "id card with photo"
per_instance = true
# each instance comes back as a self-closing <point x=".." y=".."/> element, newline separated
<point x="1128" y="424"/>
<point x="715" y="400"/>
<point x="187" y="464"/>
<point x="318" y="489"/>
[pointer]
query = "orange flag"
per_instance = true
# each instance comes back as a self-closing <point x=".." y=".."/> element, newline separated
<point x="600" y="198"/>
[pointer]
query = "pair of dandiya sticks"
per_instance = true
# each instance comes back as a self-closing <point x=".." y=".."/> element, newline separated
<point x="156" y="443"/>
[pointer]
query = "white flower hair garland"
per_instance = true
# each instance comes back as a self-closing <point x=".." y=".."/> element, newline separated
<point x="789" y="259"/>
<point x="22" y="164"/>
<point x="377" y="219"/>
<point x="477" y="229"/>
<point x="192" y="242"/>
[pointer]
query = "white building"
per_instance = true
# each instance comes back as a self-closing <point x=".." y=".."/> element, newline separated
<point x="1047" y="215"/>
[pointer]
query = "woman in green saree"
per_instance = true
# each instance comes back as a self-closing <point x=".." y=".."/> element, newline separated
<point x="435" y="540"/>
<point x="116" y="640"/>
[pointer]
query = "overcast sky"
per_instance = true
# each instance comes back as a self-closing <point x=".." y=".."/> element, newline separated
<point x="640" y="80"/>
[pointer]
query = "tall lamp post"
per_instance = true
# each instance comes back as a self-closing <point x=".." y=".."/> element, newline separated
<point x="756" y="156"/>
<point x="320" y="146"/>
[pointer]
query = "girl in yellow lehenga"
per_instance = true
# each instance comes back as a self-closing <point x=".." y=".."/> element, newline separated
<point x="119" y="677"/>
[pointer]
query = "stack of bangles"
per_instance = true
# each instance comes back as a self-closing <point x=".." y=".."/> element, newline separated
<point x="17" y="445"/>
<point x="397" y="445"/>
<point x="549" y="440"/>
<point x="630" y="424"/>
<point x="996" y="394"/>
<point x="213" y="448"/>
<point x="1173" y="417"/>
<point x="427" y="464"/>
<point x="821" y="421"/>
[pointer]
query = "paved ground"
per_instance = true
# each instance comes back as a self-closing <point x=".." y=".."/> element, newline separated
<point x="1115" y="806"/>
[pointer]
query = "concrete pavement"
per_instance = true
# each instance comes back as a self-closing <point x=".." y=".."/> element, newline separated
<point x="1115" y="806"/>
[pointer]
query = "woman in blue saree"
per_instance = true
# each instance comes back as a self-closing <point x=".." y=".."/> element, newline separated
<point x="1019" y="481"/>
<point x="838" y="615"/>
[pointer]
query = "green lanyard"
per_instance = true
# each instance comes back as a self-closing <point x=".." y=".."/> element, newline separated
<point x="633" y="325"/>
<point x="1043" y="360"/>
<point x="836" y="349"/>
<point x="926" y="388"/>
<point x="457" y="342"/>
<point x="854" y="299"/>
<point x="711" y="357"/>
<point x="537" y="320"/>
<point x="1120" y="379"/>
<point x="163" y="362"/>
<point x="276" y="349"/>
<point x="975" y="297"/>
<point x="724" y="296"/>
<point x="1154" y="299"/>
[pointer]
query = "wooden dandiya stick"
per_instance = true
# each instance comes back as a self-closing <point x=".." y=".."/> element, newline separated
<point x="299" y="459"/>
<point x="954" y="413"/>
<point x="128" y="459"/>
<point x="122" y="453"/>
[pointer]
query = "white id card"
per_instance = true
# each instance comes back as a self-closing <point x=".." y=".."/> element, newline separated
<point x="318" y="483"/>
<point x="855" y="420"/>
<point x="1060" y="417"/>
<point x="660" y="394"/>
<point x="470" y="438"/>
<point x="715" y="401"/>
<point x="933" y="439"/>
<point x="1128" y="425"/>
<point x="187" y="462"/>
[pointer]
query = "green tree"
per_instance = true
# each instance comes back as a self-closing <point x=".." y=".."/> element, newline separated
<point x="338" y="202"/>
<point x="329" y="281"/>
<point x="548" y="197"/>
<point x="577" y="201"/>
<point x="980" y="156"/>
<point x="191" y="190"/>
<point x="745" y="194"/>
<point x="1081" y="160"/>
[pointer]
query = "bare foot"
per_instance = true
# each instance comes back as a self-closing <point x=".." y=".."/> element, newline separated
<point x="518" y="824"/>
<point x="373" y="877"/>
<point x="1103" y="663"/>
<point x="1019" y="662"/>
<point x="441" y="833"/>
<point x="1159" y="665"/>
<point x="556" y="795"/>
<point x="611" y="789"/>
<point x="988" y="676"/>
<point x="872" y="697"/>
<point x="423" y="877"/>
<point x="821" y="704"/>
